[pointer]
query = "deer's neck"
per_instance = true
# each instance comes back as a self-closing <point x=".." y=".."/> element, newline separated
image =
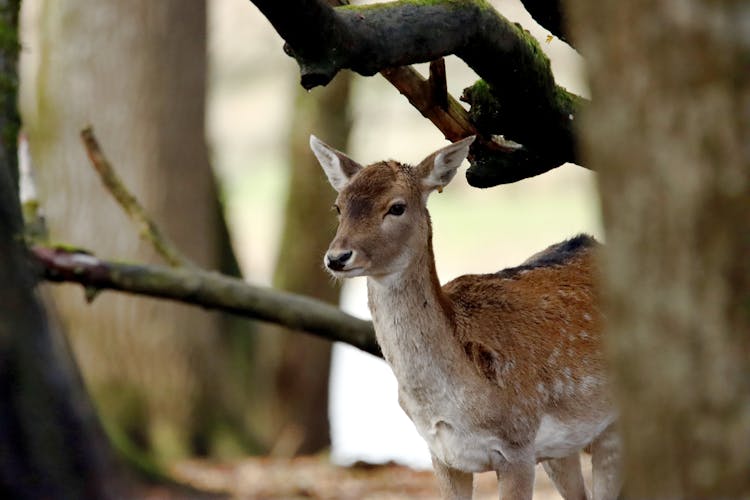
<point x="411" y="314"/>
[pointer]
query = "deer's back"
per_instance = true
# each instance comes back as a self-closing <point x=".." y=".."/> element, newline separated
<point x="534" y="330"/>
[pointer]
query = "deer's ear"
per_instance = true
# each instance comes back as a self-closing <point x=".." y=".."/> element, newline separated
<point x="438" y="169"/>
<point x="338" y="167"/>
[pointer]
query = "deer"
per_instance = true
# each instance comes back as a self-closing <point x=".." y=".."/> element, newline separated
<point x="499" y="371"/>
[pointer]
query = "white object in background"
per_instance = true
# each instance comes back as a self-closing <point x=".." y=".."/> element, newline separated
<point x="367" y="423"/>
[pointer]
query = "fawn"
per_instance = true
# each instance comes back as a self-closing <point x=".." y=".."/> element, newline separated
<point x="497" y="371"/>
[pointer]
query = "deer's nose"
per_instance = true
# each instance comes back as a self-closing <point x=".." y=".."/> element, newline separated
<point x="337" y="261"/>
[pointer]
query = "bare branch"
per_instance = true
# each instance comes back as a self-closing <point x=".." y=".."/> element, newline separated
<point x="148" y="229"/>
<point x="452" y="120"/>
<point x="210" y="290"/>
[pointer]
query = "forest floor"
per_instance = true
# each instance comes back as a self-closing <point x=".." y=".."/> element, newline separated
<point x="316" y="478"/>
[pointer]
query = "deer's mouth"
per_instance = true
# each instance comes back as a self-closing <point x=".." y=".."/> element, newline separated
<point x="351" y="272"/>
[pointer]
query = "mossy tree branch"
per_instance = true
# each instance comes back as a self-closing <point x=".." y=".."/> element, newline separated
<point x="207" y="289"/>
<point x="188" y="283"/>
<point x="521" y="101"/>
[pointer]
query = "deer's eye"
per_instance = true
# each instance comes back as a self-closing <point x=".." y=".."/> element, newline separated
<point x="397" y="209"/>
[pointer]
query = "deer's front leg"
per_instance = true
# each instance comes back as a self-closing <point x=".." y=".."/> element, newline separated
<point x="454" y="484"/>
<point x="516" y="481"/>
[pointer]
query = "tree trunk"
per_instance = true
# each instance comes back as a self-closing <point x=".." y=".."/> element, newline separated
<point x="51" y="444"/>
<point x="297" y="409"/>
<point x="136" y="71"/>
<point x="669" y="130"/>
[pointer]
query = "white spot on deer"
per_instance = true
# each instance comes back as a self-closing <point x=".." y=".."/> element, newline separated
<point x="559" y="387"/>
<point x="588" y="384"/>
<point x="583" y="335"/>
<point x="586" y="317"/>
<point x="507" y="367"/>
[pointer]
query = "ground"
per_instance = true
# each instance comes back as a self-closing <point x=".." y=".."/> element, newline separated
<point x="316" y="478"/>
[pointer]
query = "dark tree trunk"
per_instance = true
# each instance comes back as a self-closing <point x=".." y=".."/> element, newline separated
<point x="669" y="130"/>
<point x="51" y="443"/>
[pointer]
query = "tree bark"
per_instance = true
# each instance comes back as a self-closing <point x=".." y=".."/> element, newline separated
<point x="668" y="130"/>
<point x="136" y="71"/>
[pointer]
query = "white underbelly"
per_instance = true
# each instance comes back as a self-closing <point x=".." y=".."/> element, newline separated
<point x="456" y="441"/>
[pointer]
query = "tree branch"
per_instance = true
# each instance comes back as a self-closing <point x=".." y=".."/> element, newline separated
<point x="210" y="290"/>
<point x="526" y="106"/>
<point x="129" y="203"/>
<point x="452" y="119"/>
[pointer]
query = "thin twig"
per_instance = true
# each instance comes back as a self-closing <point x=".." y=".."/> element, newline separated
<point x="148" y="229"/>
<point x="451" y="119"/>
<point x="207" y="289"/>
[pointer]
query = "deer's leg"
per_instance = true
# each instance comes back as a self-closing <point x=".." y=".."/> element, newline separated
<point x="566" y="474"/>
<point x="454" y="484"/>
<point x="605" y="465"/>
<point x="516" y="481"/>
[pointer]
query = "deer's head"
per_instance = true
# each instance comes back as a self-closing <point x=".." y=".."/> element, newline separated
<point x="383" y="218"/>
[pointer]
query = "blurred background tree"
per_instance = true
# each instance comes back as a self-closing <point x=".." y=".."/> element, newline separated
<point x="670" y="138"/>
<point x="292" y="406"/>
<point x="166" y="378"/>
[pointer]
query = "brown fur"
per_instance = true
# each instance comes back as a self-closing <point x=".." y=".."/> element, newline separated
<point x="542" y="320"/>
